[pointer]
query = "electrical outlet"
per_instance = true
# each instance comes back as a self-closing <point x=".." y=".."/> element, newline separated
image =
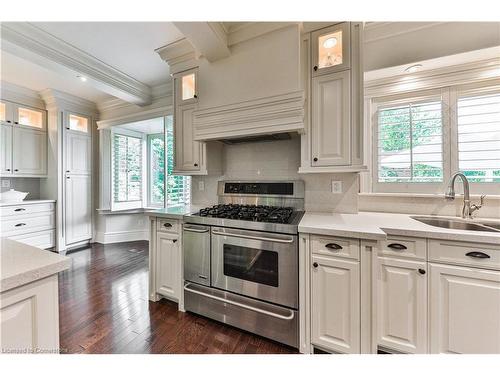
<point x="336" y="187"/>
<point x="5" y="183"/>
<point x="201" y="185"/>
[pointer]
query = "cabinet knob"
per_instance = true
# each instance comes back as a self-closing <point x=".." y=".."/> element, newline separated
<point x="9" y="121"/>
<point x="16" y="122"/>
<point x="16" y="170"/>
<point x="68" y="178"/>
<point x="8" y="169"/>
<point x="421" y="271"/>
<point x="315" y="159"/>
<point x="67" y="171"/>
<point x="174" y="241"/>
<point x="315" y="68"/>
<point x="195" y="164"/>
<point x="195" y="96"/>
<point x="315" y="265"/>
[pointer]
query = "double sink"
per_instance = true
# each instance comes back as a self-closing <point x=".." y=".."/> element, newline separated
<point x="456" y="223"/>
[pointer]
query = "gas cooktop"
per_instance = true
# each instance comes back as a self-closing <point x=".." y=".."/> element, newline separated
<point x="268" y="214"/>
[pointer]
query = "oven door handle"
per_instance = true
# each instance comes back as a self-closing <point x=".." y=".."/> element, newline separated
<point x="258" y="238"/>
<point x="195" y="230"/>
<point x="242" y="305"/>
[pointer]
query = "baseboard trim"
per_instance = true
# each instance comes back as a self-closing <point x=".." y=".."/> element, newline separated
<point x="122" y="236"/>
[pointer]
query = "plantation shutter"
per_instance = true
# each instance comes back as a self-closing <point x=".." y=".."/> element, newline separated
<point x="127" y="166"/>
<point x="410" y="142"/>
<point x="478" y="120"/>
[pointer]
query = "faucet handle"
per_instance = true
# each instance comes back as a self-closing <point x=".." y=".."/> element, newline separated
<point x="475" y="207"/>
<point x="481" y="200"/>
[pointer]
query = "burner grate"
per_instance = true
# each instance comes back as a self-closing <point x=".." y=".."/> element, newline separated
<point x="271" y="214"/>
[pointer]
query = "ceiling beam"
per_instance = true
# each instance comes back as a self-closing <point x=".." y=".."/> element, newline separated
<point x="34" y="44"/>
<point x="208" y="38"/>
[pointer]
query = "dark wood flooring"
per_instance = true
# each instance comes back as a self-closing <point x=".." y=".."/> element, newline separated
<point x="104" y="308"/>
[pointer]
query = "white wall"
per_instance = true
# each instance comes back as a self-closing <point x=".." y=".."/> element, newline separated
<point x="116" y="227"/>
<point x="279" y="160"/>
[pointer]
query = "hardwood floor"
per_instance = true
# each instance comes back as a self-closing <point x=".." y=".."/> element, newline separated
<point x="104" y="308"/>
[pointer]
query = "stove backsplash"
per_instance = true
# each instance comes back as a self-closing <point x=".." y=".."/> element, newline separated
<point x="279" y="160"/>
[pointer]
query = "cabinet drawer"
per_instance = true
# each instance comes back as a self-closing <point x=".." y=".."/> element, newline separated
<point x="336" y="246"/>
<point x="24" y="209"/>
<point x="465" y="253"/>
<point x="27" y="224"/>
<point x="168" y="225"/>
<point x="404" y="247"/>
<point x="44" y="239"/>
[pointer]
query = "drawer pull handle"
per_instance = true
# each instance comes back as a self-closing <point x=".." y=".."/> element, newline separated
<point x="20" y="209"/>
<point x="397" y="246"/>
<point x="333" y="246"/>
<point x="167" y="225"/>
<point x="20" y="224"/>
<point x="203" y="277"/>
<point x="477" y="254"/>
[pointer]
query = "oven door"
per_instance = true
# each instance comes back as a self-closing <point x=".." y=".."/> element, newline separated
<point x="256" y="264"/>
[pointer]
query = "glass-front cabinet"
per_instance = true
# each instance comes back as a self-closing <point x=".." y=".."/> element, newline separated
<point x="331" y="49"/>
<point x="187" y="86"/>
<point x="31" y="117"/>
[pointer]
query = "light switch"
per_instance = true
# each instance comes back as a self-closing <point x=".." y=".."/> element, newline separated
<point x="201" y="185"/>
<point x="5" y="183"/>
<point x="336" y="187"/>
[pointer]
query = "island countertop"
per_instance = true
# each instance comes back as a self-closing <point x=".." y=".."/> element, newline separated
<point x="21" y="264"/>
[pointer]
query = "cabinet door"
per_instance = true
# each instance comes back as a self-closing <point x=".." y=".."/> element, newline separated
<point x="6" y="150"/>
<point x="186" y="87"/>
<point x="78" y="153"/>
<point x="6" y="115"/>
<point x="78" y="209"/>
<point x="401" y="300"/>
<point x="464" y="310"/>
<point x="168" y="265"/>
<point x="331" y="120"/>
<point x="30" y="151"/>
<point x="335" y="304"/>
<point x="187" y="150"/>
<point x="29" y="117"/>
<point x="331" y="49"/>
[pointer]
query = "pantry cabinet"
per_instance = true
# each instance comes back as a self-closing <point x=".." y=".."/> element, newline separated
<point x="23" y="141"/>
<point x="401" y="305"/>
<point x="464" y="310"/>
<point x="333" y="81"/>
<point x="335" y="304"/>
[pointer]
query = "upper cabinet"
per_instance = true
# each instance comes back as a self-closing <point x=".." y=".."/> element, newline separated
<point x="24" y="141"/>
<point x="188" y="90"/>
<point x="333" y="81"/>
<point x="331" y="49"/>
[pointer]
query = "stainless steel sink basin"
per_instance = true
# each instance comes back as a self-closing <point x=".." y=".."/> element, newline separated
<point x="448" y="223"/>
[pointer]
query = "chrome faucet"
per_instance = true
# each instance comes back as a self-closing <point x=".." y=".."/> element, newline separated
<point x="467" y="208"/>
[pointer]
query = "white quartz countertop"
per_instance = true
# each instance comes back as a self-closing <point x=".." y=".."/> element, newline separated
<point x="377" y="225"/>
<point x="21" y="264"/>
<point x="27" y="201"/>
<point x="174" y="212"/>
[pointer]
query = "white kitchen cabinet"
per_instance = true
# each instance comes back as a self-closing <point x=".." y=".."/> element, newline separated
<point x="335" y="304"/>
<point x="400" y="291"/>
<point x="464" y="310"/>
<point x="29" y="318"/>
<point x="29" y="156"/>
<point x="6" y="150"/>
<point x="188" y="152"/>
<point x="168" y="273"/>
<point x="77" y="209"/>
<point x="331" y="126"/>
<point x="333" y="137"/>
<point x="78" y="153"/>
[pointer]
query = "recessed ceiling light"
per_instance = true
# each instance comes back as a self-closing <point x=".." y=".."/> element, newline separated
<point x="330" y="42"/>
<point x="414" y="68"/>
<point x="82" y="78"/>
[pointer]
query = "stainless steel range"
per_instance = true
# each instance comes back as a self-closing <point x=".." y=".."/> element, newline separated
<point x="241" y="258"/>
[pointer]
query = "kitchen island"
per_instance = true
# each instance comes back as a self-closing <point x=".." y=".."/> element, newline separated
<point x="29" y="302"/>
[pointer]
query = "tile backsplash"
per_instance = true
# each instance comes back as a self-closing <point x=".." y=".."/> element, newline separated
<point x="31" y="185"/>
<point x="279" y="160"/>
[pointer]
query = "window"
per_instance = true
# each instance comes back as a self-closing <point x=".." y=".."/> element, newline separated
<point x="421" y="138"/>
<point x="156" y="147"/>
<point x="478" y="121"/>
<point x="127" y="170"/>
<point x="410" y="142"/>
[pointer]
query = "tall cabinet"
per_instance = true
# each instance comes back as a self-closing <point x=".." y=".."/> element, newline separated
<point x="333" y="82"/>
<point x="71" y="123"/>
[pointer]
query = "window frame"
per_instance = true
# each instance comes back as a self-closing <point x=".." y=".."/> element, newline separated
<point x="127" y="205"/>
<point x="403" y="99"/>
<point x="149" y="177"/>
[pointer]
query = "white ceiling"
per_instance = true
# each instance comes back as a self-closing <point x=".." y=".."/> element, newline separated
<point x="152" y="126"/>
<point x="24" y="73"/>
<point x="126" y="46"/>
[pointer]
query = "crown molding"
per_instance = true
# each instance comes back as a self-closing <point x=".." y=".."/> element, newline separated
<point x="208" y="38"/>
<point x="28" y="41"/>
<point x="177" y="52"/>
<point x="251" y="30"/>
<point x="375" y="31"/>
<point x="58" y="100"/>
<point x="136" y="116"/>
<point x="274" y="114"/>
<point x="22" y="95"/>
<point x="451" y="75"/>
